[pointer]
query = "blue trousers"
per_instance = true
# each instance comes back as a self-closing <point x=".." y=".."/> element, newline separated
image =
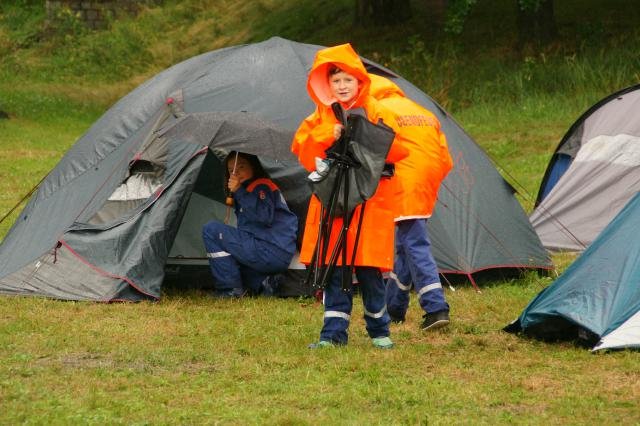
<point x="414" y="264"/>
<point x="240" y="261"/>
<point x="338" y="304"/>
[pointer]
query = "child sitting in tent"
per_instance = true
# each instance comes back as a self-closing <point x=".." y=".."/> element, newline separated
<point x="264" y="242"/>
<point x="338" y="75"/>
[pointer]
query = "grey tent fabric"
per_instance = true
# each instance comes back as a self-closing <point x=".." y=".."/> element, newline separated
<point x="76" y="239"/>
<point x="592" y="174"/>
<point x="597" y="299"/>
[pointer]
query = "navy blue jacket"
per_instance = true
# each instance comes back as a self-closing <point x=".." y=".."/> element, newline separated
<point x="262" y="211"/>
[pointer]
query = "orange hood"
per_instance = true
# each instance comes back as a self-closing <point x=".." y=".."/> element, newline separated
<point x="382" y="88"/>
<point x="345" y="58"/>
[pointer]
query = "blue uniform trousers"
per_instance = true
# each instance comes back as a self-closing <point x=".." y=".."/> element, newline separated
<point x="240" y="261"/>
<point x="338" y="304"/>
<point x="414" y="264"/>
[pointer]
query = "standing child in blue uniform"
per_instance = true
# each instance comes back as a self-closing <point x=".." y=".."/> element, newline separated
<point x="264" y="241"/>
<point x="338" y="75"/>
<point x="420" y="175"/>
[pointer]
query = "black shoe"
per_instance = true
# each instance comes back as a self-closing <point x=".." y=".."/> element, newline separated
<point x="397" y="319"/>
<point x="270" y="285"/>
<point x="235" y="293"/>
<point x="435" y="320"/>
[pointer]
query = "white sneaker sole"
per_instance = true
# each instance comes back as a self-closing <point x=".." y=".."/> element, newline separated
<point x="437" y="324"/>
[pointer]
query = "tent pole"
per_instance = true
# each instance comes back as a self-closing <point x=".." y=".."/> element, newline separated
<point x="473" y="283"/>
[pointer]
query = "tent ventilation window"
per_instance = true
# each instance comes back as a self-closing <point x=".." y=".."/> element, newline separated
<point x="143" y="180"/>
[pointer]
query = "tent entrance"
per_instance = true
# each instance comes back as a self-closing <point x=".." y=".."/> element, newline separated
<point x="187" y="265"/>
<point x="205" y="204"/>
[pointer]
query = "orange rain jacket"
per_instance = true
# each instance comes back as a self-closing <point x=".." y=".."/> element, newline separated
<point x="315" y="135"/>
<point x="429" y="161"/>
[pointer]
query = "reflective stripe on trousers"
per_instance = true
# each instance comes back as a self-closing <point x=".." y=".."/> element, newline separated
<point x="414" y="263"/>
<point x="338" y="305"/>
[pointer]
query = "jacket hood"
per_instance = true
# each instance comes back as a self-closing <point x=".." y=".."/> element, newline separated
<point x="345" y="58"/>
<point x="382" y="88"/>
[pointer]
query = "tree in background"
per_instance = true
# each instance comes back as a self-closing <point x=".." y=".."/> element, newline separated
<point x="381" y="12"/>
<point x="535" y="19"/>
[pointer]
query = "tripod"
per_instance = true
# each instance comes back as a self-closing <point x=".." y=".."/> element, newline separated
<point x="344" y="164"/>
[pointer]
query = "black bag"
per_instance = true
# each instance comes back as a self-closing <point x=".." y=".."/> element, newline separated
<point x="361" y="155"/>
<point x="293" y="283"/>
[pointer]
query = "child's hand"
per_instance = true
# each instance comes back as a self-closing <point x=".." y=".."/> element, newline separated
<point x="337" y="131"/>
<point x="234" y="183"/>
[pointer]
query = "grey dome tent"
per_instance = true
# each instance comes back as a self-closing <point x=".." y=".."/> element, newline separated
<point x="592" y="174"/>
<point x="130" y="197"/>
<point x="597" y="299"/>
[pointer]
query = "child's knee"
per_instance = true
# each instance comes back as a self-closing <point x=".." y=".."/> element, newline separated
<point x="212" y="230"/>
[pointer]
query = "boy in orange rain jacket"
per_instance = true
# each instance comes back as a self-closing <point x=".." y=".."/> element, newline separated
<point x="420" y="175"/>
<point x="338" y="75"/>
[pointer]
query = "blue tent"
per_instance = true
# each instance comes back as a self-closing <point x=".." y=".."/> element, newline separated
<point x="597" y="299"/>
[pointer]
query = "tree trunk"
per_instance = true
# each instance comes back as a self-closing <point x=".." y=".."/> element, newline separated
<point x="437" y="12"/>
<point x="381" y="12"/>
<point x="536" y="26"/>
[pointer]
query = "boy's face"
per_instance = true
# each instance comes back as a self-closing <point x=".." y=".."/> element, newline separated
<point x="243" y="169"/>
<point x="344" y="86"/>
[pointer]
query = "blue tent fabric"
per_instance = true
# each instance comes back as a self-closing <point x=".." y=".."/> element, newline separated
<point x="598" y="296"/>
<point x="559" y="167"/>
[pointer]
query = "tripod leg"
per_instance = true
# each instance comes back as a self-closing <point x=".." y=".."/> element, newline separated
<point x="333" y="260"/>
<point x="312" y="273"/>
<point x="340" y="247"/>
<point x="318" y="271"/>
<point x="324" y="267"/>
<point x="346" y="219"/>
<point x="357" y="240"/>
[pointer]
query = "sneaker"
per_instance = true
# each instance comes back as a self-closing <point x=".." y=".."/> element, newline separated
<point x="382" y="342"/>
<point x="435" y="320"/>
<point x="321" y="344"/>
<point x="397" y="319"/>
<point x="235" y="293"/>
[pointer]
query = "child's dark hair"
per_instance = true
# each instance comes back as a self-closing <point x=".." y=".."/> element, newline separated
<point x="333" y="69"/>
<point x="258" y="170"/>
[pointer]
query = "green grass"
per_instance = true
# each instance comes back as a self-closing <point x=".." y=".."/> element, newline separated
<point x="192" y="360"/>
<point x="43" y="124"/>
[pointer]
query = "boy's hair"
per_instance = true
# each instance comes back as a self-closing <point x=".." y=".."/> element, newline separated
<point x="258" y="170"/>
<point x="333" y="69"/>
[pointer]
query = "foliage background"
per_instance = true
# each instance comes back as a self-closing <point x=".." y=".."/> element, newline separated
<point x="192" y="360"/>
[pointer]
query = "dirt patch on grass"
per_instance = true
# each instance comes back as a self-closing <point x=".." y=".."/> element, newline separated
<point x="93" y="361"/>
<point x="15" y="154"/>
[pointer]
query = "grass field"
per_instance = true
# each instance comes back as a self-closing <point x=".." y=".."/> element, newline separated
<point x="189" y="359"/>
<point x="192" y="360"/>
